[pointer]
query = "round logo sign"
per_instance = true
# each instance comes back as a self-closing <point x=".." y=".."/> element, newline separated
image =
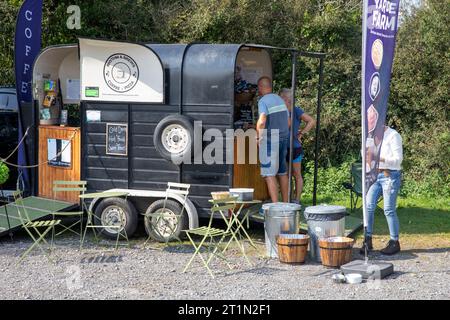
<point x="121" y="72"/>
<point x="377" y="53"/>
<point x="374" y="87"/>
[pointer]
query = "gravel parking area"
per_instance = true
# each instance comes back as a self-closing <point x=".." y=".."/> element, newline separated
<point x="147" y="273"/>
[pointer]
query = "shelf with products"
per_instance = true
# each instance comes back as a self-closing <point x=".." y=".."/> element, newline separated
<point x="56" y="82"/>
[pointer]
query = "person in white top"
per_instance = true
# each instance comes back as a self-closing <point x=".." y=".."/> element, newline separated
<point x="387" y="184"/>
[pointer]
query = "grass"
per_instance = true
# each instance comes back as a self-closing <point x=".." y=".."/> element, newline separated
<point x="424" y="222"/>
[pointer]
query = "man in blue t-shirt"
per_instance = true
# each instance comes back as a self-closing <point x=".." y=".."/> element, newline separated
<point x="273" y="135"/>
<point x="297" y="157"/>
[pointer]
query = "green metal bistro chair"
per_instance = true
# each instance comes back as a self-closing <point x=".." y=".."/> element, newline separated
<point x="163" y="223"/>
<point x="69" y="186"/>
<point x="33" y="228"/>
<point x="91" y="224"/>
<point x="209" y="235"/>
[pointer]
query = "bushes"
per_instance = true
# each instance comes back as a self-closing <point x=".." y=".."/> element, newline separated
<point x="433" y="185"/>
<point x="330" y="179"/>
<point x="4" y="173"/>
<point x="419" y="101"/>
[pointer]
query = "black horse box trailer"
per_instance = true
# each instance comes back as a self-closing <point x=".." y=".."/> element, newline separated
<point x="137" y="104"/>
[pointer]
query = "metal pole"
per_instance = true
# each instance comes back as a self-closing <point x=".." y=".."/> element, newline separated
<point x="316" y="149"/>
<point x="291" y="133"/>
<point x="363" y="125"/>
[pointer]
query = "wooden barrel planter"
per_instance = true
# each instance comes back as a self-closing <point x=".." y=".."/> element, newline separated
<point x="292" y="247"/>
<point x="336" y="251"/>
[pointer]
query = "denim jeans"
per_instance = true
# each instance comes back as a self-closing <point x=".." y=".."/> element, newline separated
<point x="389" y="186"/>
<point x="272" y="157"/>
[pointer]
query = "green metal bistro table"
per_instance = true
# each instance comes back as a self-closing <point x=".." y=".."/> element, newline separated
<point x="245" y="217"/>
<point x="90" y="224"/>
<point x="37" y="208"/>
<point x="235" y="224"/>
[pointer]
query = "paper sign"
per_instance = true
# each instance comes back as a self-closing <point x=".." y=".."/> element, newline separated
<point x="73" y="89"/>
<point x="59" y="153"/>
<point x="93" y="115"/>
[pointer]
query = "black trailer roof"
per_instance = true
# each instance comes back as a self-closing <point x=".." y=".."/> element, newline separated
<point x="201" y="73"/>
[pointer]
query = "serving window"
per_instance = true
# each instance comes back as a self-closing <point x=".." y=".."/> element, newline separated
<point x="56" y="83"/>
<point x="251" y="64"/>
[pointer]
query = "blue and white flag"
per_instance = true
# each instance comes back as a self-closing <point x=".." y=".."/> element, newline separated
<point x="27" y="45"/>
<point x="380" y="22"/>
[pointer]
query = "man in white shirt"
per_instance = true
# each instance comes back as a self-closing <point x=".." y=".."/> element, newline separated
<point x="388" y="183"/>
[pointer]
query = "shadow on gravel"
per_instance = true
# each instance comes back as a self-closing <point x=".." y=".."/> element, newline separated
<point x="430" y="250"/>
<point x="102" y="259"/>
<point x="181" y="248"/>
<point x="377" y="256"/>
<point x="261" y="271"/>
<point x="409" y="254"/>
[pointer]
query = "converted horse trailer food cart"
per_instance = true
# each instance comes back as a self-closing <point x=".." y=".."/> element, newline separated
<point x="137" y="106"/>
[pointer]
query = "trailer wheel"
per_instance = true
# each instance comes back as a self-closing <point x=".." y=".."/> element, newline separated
<point x="173" y="138"/>
<point x="167" y="227"/>
<point x="114" y="211"/>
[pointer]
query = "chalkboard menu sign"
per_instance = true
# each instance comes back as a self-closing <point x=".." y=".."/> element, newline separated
<point x="117" y="139"/>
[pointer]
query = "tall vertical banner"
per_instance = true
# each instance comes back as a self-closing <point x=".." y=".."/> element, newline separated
<point x="380" y="21"/>
<point x="27" y="44"/>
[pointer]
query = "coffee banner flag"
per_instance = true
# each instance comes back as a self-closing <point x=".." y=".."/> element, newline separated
<point x="380" y="22"/>
<point x="27" y="45"/>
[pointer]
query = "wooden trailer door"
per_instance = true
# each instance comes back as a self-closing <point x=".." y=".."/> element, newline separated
<point x="60" y="159"/>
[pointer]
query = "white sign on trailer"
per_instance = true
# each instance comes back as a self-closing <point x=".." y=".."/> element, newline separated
<point x="120" y="72"/>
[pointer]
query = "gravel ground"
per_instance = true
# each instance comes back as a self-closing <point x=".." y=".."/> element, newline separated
<point x="148" y="273"/>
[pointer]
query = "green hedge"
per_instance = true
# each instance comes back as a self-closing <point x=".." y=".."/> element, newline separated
<point x="4" y="173"/>
<point x="330" y="179"/>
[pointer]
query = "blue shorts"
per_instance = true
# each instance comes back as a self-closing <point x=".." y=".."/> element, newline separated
<point x="298" y="159"/>
<point x="273" y="158"/>
<point x="298" y="155"/>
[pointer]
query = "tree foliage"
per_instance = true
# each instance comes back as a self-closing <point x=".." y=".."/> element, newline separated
<point x="419" y="101"/>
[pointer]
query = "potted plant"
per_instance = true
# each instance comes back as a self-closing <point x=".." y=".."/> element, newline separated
<point x="4" y="173"/>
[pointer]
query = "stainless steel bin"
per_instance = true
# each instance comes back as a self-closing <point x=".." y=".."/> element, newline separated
<point x="324" y="221"/>
<point x="279" y="217"/>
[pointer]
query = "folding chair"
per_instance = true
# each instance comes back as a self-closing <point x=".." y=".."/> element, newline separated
<point x="33" y="226"/>
<point x="210" y="233"/>
<point x="164" y="222"/>
<point x="355" y="184"/>
<point x="90" y="223"/>
<point x="68" y="186"/>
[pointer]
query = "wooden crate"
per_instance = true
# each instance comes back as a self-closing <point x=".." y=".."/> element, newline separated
<point x="248" y="175"/>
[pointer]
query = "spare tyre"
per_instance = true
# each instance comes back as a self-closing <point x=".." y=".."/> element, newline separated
<point x="174" y="138"/>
